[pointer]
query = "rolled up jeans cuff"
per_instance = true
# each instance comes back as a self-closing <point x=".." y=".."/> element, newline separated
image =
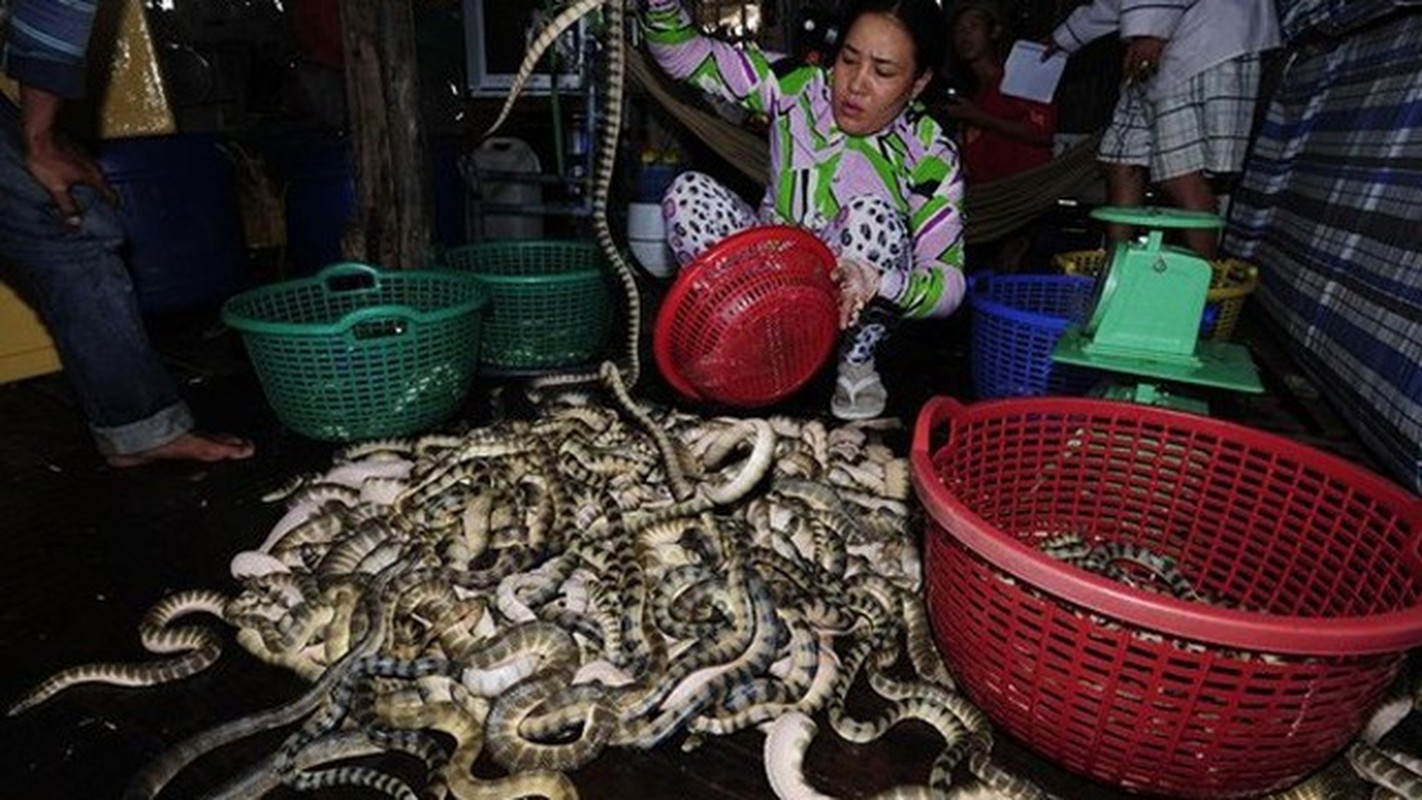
<point x="145" y="434"/>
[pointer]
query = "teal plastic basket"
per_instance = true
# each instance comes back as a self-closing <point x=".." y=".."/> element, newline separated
<point x="551" y="304"/>
<point x="355" y="352"/>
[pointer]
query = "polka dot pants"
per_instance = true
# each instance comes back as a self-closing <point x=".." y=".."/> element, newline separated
<point x="700" y="211"/>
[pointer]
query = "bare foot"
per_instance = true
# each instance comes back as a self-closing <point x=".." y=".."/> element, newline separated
<point x="190" y="447"/>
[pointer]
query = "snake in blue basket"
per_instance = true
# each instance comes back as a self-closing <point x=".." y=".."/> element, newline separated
<point x="609" y="132"/>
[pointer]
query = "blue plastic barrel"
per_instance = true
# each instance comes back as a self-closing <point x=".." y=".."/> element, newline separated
<point x="654" y="181"/>
<point x="178" y="205"/>
<point x="314" y="173"/>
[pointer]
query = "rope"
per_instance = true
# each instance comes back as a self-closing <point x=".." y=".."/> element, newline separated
<point x="745" y="150"/>
<point x="992" y="209"/>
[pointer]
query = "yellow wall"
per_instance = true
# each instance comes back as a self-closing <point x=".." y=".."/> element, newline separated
<point x="25" y="347"/>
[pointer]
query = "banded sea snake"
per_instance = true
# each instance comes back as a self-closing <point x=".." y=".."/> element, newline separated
<point x="609" y="134"/>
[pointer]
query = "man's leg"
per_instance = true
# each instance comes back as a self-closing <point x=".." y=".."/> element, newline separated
<point x="83" y="293"/>
<point x="1125" y="186"/>
<point x="1203" y="131"/>
<point x="1192" y="191"/>
<point x="1123" y="154"/>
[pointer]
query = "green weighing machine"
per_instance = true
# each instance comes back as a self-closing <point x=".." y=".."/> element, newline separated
<point x="1145" y="319"/>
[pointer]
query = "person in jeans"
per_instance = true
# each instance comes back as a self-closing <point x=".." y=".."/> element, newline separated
<point x="59" y="241"/>
<point x="854" y="158"/>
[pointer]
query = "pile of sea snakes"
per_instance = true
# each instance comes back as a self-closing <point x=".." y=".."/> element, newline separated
<point x="603" y="575"/>
<point x="600" y="576"/>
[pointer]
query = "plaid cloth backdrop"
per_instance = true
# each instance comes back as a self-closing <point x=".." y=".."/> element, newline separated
<point x="1330" y="208"/>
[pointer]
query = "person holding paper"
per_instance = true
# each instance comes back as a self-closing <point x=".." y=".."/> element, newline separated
<point x="1000" y="135"/>
<point x="1191" y="72"/>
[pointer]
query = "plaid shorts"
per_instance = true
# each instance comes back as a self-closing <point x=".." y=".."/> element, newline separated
<point x="1203" y="127"/>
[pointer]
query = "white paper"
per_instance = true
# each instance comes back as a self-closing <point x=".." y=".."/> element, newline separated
<point x="1028" y="76"/>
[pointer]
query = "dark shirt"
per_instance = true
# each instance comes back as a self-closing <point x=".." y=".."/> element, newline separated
<point x="45" y="44"/>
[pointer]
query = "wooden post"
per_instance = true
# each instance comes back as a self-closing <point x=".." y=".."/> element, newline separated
<point x="394" y="193"/>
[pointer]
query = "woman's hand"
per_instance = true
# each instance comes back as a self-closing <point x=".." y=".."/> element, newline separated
<point x="858" y="284"/>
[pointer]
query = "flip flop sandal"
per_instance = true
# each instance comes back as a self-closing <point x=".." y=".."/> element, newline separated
<point x="858" y="393"/>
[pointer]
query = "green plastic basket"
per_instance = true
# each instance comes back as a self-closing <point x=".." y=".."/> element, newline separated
<point x="551" y="304"/>
<point x="355" y="352"/>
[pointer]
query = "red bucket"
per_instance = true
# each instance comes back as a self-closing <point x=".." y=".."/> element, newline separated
<point x="1315" y="565"/>
<point x="751" y="320"/>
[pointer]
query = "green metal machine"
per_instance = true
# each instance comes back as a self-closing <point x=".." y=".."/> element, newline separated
<point x="1146" y="313"/>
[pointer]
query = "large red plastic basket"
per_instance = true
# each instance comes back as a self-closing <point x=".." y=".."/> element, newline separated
<point x="1316" y="562"/>
<point x="751" y="320"/>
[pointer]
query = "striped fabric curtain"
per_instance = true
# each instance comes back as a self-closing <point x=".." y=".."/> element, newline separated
<point x="1330" y="209"/>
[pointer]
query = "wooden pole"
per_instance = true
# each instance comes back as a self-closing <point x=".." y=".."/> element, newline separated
<point x="394" y="193"/>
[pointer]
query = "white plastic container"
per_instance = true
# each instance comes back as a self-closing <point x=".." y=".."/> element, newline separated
<point x="508" y="155"/>
<point x="647" y="239"/>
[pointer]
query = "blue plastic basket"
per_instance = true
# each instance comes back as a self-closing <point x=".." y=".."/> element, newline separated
<point x="1017" y="320"/>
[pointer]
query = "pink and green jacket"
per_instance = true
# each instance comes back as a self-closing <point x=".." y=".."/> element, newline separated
<point x="815" y="167"/>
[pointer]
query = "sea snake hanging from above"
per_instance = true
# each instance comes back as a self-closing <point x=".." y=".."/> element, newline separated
<point x="610" y="129"/>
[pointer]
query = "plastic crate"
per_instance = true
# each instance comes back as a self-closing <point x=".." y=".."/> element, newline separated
<point x="1231" y="284"/>
<point x="1313" y="564"/>
<point x="355" y="352"/>
<point x="551" y="305"/>
<point x="1016" y="322"/>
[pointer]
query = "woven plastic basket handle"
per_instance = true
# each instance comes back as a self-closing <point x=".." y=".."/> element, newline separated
<point x="371" y="325"/>
<point x="937" y="411"/>
<point x="374" y="323"/>
<point x="349" y="276"/>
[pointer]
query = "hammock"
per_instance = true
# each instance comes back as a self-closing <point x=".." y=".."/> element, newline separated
<point x="992" y="209"/>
